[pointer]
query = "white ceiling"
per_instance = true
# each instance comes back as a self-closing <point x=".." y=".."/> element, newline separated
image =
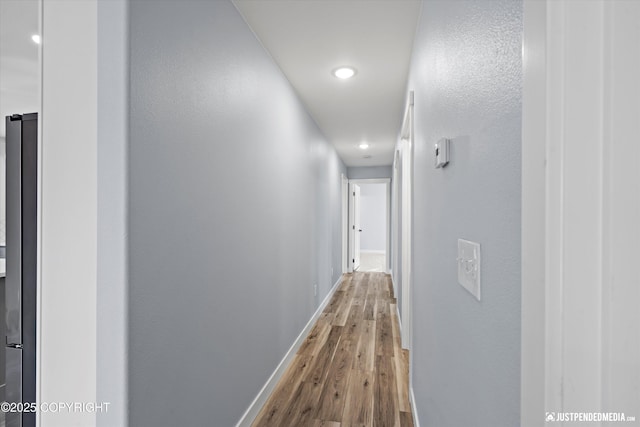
<point x="19" y="71"/>
<point x="307" y="39"/>
<point x="310" y="38"/>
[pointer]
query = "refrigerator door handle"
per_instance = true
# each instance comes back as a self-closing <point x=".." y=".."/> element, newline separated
<point x="14" y="213"/>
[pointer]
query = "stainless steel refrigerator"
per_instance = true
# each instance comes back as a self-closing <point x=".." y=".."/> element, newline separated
<point x="21" y="276"/>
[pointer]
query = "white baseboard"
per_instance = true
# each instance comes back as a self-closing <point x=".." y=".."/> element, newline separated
<point x="395" y="290"/>
<point x="399" y="324"/>
<point x="395" y="294"/>
<point x="412" y="398"/>
<point x="414" y="410"/>
<point x="372" y="251"/>
<point x="254" y="409"/>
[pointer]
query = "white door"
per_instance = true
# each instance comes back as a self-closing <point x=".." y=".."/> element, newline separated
<point x="356" y="226"/>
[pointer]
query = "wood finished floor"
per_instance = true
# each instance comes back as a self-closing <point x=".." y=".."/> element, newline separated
<point x="351" y="369"/>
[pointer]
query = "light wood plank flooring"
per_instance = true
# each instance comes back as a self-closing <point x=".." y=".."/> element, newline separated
<point x="351" y="369"/>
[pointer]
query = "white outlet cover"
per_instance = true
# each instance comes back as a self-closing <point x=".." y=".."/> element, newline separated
<point x="469" y="266"/>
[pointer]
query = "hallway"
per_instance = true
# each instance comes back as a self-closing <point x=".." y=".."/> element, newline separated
<point x="351" y="369"/>
<point x="197" y="166"/>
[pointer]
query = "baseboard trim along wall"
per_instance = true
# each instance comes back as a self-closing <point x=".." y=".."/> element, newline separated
<point x="414" y="410"/>
<point x="399" y="319"/>
<point x="412" y="398"/>
<point x="252" y="412"/>
<point x="372" y="251"/>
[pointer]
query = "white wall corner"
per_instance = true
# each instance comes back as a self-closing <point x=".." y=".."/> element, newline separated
<point x="532" y="385"/>
<point x="67" y="284"/>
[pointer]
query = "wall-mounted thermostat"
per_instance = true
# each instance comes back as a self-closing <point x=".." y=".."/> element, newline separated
<point x="442" y="152"/>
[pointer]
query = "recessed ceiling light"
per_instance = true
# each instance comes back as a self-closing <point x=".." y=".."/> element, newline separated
<point x="344" y="72"/>
<point x="363" y="146"/>
<point x="36" y="38"/>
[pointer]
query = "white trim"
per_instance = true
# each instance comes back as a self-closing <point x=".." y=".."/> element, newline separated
<point x="397" y="310"/>
<point x="387" y="182"/>
<point x="414" y="410"/>
<point x="69" y="183"/>
<point x="263" y="395"/>
<point x="395" y="213"/>
<point x="406" y="145"/>
<point x="372" y="251"/>
<point x="534" y="126"/>
<point x="112" y="221"/>
<point x="345" y="222"/>
<point x="412" y="398"/>
<point x="39" y="225"/>
<point x="580" y="329"/>
<point x="398" y="314"/>
<point x="387" y="258"/>
<point x="350" y="230"/>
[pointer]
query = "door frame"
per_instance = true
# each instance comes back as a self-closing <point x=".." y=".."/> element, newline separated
<point x="387" y="182"/>
<point x="352" y="227"/>
<point x="576" y="162"/>
<point x="533" y="281"/>
<point x="345" y="223"/>
<point x="405" y="149"/>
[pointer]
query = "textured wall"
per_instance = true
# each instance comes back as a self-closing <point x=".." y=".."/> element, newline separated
<point x="466" y="73"/>
<point x="234" y="214"/>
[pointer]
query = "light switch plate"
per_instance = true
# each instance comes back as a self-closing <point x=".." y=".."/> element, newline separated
<point x="469" y="266"/>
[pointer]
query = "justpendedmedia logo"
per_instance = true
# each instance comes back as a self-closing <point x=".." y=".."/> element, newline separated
<point x="588" y="417"/>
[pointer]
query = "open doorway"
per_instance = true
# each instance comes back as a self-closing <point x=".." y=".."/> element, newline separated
<point x="369" y="205"/>
<point x="373" y="227"/>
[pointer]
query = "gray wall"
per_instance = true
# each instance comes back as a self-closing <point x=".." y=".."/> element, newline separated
<point x="234" y="214"/>
<point x="366" y="172"/>
<point x="466" y="73"/>
<point x="373" y="217"/>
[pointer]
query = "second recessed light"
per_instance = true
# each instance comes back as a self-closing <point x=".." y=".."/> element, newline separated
<point x="344" y="72"/>
<point x="363" y="146"/>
